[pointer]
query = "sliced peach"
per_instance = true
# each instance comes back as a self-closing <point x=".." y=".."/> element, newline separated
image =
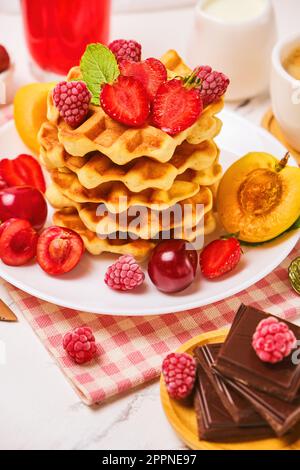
<point x="259" y="197"/>
<point x="30" y="110"/>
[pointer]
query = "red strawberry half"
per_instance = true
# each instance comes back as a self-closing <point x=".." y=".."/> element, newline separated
<point x="24" y="170"/>
<point x="126" y="101"/>
<point x="151" y="73"/>
<point x="220" y="257"/>
<point x="176" y="107"/>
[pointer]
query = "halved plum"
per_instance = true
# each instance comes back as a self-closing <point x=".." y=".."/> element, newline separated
<point x="18" y="242"/>
<point x="59" y="250"/>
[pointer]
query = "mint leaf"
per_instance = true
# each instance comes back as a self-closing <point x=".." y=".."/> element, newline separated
<point x="295" y="226"/>
<point x="98" y="65"/>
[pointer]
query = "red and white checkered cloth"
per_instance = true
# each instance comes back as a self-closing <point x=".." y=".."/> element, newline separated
<point x="131" y="349"/>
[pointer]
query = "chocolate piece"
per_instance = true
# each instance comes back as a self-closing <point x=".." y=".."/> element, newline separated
<point x="281" y="415"/>
<point x="238" y="360"/>
<point x="214" y="422"/>
<point x="239" y="407"/>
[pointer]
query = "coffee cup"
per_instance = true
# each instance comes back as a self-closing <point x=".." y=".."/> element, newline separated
<point x="285" y="90"/>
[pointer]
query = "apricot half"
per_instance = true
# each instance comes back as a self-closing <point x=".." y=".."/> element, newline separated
<point x="259" y="197"/>
<point x="30" y="111"/>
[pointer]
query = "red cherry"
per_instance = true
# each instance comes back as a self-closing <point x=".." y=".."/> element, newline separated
<point x="18" y="242"/>
<point x="173" y="265"/>
<point x="59" y="250"/>
<point x="5" y="224"/>
<point x="23" y="202"/>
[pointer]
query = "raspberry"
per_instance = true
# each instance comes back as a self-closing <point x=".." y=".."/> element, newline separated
<point x="273" y="340"/>
<point x="179" y="371"/>
<point x="126" y="50"/>
<point x="213" y="84"/>
<point x="72" y="100"/>
<point x="80" y="344"/>
<point x="124" y="274"/>
<point x="4" y="59"/>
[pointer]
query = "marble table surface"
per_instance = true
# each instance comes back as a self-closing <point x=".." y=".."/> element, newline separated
<point x="38" y="407"/>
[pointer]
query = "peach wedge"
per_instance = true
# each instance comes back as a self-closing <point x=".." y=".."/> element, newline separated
<point x="259" y="197"/>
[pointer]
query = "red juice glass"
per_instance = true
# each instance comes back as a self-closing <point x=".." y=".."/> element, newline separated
<point x="58" y="31"/>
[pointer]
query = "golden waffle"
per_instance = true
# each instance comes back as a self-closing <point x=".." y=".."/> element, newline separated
<point x="117" y="197"/>
<point x="140" y="249"/>
<point x="142" y="173"/>
<point x="123" y="144"/>
<point x="141" y="222"/>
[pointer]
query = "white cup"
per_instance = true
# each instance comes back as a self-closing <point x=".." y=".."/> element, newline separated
<point x="240" y="49"/>
<point x="285" y="91"/>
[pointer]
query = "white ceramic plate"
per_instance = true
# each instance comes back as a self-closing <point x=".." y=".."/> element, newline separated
<point x="84" y="289"/>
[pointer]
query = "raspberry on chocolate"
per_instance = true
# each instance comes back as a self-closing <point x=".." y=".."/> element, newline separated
<point x="273" y="340"/>
<point x="72" y="100"/>
<point x="4" y="59"/>
<point x="213" y="84"/>
<point x="124" y="274"/>
<point x="126" y="50"/>
<point x="80" y="344"/>
<point x="179" y="371"/>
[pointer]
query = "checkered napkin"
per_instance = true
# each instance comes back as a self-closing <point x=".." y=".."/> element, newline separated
<point x="131" y="349"/>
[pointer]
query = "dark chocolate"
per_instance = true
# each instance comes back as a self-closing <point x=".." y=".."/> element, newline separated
<point x="281" y="415"/>
<point x="238" y="361"/>
<point x="214" y="422"/>
<point x="239" y="407"/>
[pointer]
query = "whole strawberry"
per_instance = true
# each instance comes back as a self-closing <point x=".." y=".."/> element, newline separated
<point x="124" y="274"/>
<point x="220" y="256"/>
<point x="80" y="344"/>
<point x="4" y="59"/>
<point x="126" y="50"/>
<point x="72" y="100"/>
<point x="213" y="84"/>
<point x="273" y="340"/>
<point x="179" y="371"/>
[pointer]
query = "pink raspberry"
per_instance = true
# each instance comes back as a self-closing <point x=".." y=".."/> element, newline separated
<point x="72" y="100"/>
<point x="273" y="340"/>
<point x="4" y="59"/>
<point x="126" y="50"/>
<point x="179" y="371"/>
<point x="213" y="84"/>
<point x="124" y="274"/>
<point x="80" y="344"/>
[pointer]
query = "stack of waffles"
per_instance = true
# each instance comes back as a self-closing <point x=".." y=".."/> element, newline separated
<point x="103" y="170"/>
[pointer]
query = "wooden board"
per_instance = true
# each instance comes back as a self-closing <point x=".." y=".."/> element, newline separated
<point x="183" y="419"/>
<point x="269" y="122"/>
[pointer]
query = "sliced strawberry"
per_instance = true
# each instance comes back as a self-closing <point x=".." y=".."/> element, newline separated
<point x="59" y="250"/>
<point x="151" y="73"/>
<point x="220" y="257"/>
<point x="175" y="108"/>
<point x="126" y="101"/>
<point x="18" y="242"/>
<point x="22" y="171"/>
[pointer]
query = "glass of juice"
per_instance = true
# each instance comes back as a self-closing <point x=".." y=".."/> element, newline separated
<point x="58" y="31"/>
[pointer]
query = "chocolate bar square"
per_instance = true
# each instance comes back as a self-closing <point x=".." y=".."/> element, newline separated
<point x="238" y="361"/>
<point x="239" y="407"/>
<point x="214" y="421"/>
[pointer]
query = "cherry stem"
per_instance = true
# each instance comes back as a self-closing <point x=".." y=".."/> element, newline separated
<point x="283" y="163"/>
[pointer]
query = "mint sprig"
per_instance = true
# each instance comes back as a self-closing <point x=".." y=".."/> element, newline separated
<point x="98" y="66"/>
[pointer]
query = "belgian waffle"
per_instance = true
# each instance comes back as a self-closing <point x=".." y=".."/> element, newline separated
<point x="142" y="173"/>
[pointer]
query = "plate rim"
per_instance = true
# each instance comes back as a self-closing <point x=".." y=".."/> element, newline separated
<point x="148" y="311"/>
